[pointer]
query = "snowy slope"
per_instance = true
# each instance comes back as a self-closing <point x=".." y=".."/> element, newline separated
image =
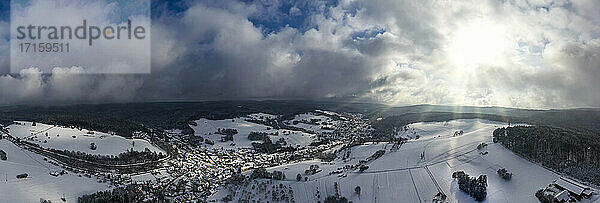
<point x="56" y="137"/>
<point x="39" y="183"/>
<point x="401" y="176"/>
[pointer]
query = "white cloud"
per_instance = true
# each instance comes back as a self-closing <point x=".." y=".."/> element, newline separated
<point x="506" y="53"/>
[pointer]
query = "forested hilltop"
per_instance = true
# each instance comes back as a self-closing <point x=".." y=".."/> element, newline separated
<point x="126" y="118"/>
<point x="575" y="152"/>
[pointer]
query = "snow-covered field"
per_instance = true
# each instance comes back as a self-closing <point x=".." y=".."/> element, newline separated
<point x="62" y="138"/>
<point x="207" y="128"/>
<point x="402" y="176"/>
<point x="39" y="183"/>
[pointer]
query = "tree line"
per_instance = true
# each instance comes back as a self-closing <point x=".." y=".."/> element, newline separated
<point x="575" y="152"/>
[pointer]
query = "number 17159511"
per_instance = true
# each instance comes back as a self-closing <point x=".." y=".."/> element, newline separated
<point x="44" y="47"/>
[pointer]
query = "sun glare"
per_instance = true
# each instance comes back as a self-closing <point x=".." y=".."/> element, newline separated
<point x="478" y="43"/>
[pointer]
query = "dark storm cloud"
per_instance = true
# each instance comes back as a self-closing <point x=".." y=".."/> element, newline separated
<point x="397" y="52"/>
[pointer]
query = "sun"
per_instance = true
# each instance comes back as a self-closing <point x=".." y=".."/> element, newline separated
<point x="478" y="43"/>
<point x="474" y="45"/>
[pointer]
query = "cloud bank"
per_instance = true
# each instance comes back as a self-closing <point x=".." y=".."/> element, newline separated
<point x="518" y="53"/>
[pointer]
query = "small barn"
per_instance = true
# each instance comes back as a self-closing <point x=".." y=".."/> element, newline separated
<point x="575" y="189"/>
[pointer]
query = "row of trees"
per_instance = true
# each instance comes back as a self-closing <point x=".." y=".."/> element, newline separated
<point x="313" y="121"/>
<point x="277" y="123"/>
<point x="575" y="152"/>
<point x="129" y="157"/>
<point x="263" y="173"/>
<point x="376" y="155"/>
<point x="226" y="131"/>
<point x="130" y="193"/>
<point x="267" y="146"/>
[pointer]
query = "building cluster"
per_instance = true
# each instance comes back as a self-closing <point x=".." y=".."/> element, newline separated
<point x="197" y="172"/>
<point x="564" y="190"/>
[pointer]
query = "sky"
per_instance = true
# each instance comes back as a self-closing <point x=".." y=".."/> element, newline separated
<point x="511" y="53"/>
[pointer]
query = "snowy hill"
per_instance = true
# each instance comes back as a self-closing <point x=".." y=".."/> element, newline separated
<point x="62" y="138"/>
<point x="402" y="176"/>
<point x="207" y="129"/>
<point x="39" y="183"/>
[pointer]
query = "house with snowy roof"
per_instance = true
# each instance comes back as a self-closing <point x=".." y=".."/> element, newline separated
<point x="574" y="188"/>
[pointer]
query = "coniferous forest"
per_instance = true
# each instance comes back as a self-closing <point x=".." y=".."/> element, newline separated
<point x="574" y="152"/>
